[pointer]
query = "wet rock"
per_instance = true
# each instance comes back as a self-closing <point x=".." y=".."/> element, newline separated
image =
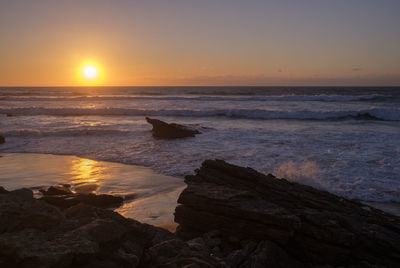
<point x="34" y="233"/>
<point x="57" y="190"/>
<point x="61" y="202"/>
<point x="19" y="210"/>
<point x="2" y="190"/>
<point x="101" y="200"/>
<point x="170" y="130"/>
<point x="62" y="197"/>
<point x="2" y="139"/>
<point x="286" y="220"/>
<point x="198" y="244"/>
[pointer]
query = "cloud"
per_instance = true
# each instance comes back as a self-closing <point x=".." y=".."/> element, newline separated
<point x="356" y="69"/>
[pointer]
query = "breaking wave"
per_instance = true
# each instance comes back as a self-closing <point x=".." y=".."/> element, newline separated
<point x="288" y="98"/>
<point x="257" y="114"/>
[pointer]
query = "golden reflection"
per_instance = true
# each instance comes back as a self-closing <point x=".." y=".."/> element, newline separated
<point x="85" y="171"/>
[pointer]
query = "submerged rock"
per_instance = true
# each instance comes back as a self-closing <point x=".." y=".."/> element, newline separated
<point x="34" y="233"/>
<point x="2" y="139"/>
<point x="262" y="221"/>
<point x="57" y="190"/>
<point x="165" y="130"/>
<point x="62" y="197"/>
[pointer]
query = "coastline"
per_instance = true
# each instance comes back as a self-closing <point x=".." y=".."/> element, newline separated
<point x="228" y="216"/>
<point x="149" y="197"/>
<point x="148" y="205"/>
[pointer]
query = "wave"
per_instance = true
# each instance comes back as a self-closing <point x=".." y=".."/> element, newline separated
<point x="62" y="132"/>
<point x="288" y="98"/>
<point x="371" y="114"/>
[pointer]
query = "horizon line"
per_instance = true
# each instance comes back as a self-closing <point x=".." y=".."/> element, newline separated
<point x="203" y="86"/>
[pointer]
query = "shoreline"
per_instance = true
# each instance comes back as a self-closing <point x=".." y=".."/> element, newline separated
<point x="228" y="216"/>
<point x="178" y="185"/>
<point x="142" y="188"/>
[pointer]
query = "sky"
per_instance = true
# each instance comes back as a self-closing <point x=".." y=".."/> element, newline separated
<point x="200" y="42"/>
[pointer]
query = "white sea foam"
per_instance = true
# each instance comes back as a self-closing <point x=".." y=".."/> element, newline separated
<point x="347" y="144"/>
<point x="306" y="172"/>
<point x="377" y="114"/>
<point x="286" y="98"/>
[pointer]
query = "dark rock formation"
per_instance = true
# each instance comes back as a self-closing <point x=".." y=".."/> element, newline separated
<point x="34" y="233"/>
<point x="2" y="139"/>
<point x="62" y="197"/>
<point x="57" y="190"/>
<point x="170" y="131"/>
<point x="258" y="220"/>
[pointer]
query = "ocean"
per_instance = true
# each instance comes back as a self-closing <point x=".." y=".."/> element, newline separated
<point x="345" y="140"/>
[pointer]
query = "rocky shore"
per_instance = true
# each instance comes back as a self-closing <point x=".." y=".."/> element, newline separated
<point x="228" y="216"/>
<point x="34" y="233"/>
<point x="257" y="220"/>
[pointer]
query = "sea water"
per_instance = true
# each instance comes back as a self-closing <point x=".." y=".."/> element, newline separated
<point x="343" y="140"/>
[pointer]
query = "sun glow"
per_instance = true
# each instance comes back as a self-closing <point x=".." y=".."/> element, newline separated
<point x="90" y="73"/>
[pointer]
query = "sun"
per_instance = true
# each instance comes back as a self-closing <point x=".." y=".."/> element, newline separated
<point x="90" y="72"/>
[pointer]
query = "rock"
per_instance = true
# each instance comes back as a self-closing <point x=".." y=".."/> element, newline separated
<point x="3" y="191"/>
<point x="170" y="131"/>
<point x="286" y="220"/>
<point x="101" y="200"/>
<point x="176" y="253"/>
<point x="198" y="244"/>
<point x="57" y="190"/>
<point x="2" y="139"/>
<point x="34" y="233"/>
<point x="61" y="202"/>
<point x="62" y="197"/>
<point x="19" y="210"/>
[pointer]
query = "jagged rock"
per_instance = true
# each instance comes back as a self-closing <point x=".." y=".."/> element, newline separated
<point x="18" y="211"/>
<point x="309" y="226"/>
<point x="57" y="190"/>
<point x="2" y="139"/>
<point x="62" y="197"/>
<point x="36" y="234"/>
<point x="170" y="131"/>
<point x="100" y="200"/>
<point x="2" y="190"/>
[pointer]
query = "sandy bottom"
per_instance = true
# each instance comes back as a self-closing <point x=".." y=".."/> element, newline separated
<point x="151" y="197"/>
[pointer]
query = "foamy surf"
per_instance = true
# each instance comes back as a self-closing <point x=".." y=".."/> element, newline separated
<point x="289" y="98"/>
<point x="345" y="140"/>
<point x="258" y="114"/>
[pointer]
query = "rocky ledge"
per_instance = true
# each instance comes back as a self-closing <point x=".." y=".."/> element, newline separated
<point x="62" y="197"/>
<point x="165" y="130"/>
<point x="249" y="219"/>
<point x="229" y="216"/>
<point x="34" y="233"/>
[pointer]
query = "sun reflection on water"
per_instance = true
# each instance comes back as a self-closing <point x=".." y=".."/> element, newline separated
<point x="86" y="175"/>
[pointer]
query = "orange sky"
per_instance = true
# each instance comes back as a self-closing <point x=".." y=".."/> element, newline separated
<point x="45" y="42"/>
